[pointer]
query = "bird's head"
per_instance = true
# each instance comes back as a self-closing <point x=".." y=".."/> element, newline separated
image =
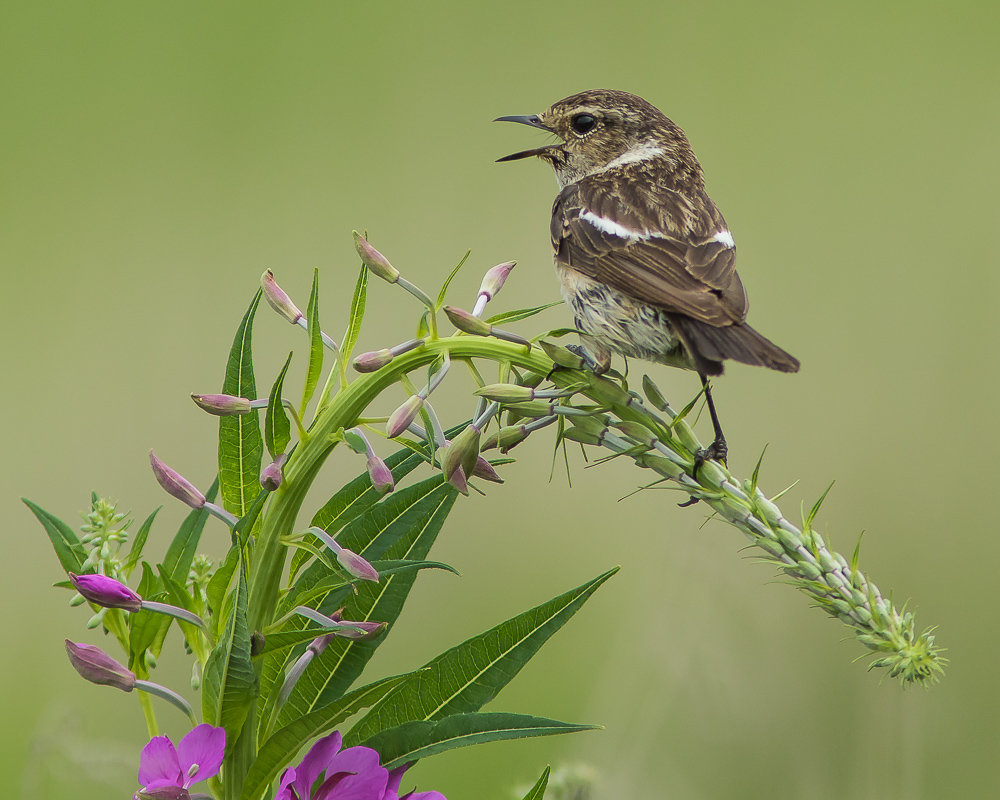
<point x="604" y="128"/>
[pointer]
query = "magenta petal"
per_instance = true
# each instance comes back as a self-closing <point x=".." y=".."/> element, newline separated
<point x="284" y="788"/>
<point x="158" y="762"/>
<point x="205" y="746"/>
<point x="423" y="796"/>
<point x="369" y="780"/>
<point x="318" y="758"/>
<point x="395" y="776"/>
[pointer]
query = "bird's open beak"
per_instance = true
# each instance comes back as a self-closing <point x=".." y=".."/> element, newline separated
<point x="534" y="121"/>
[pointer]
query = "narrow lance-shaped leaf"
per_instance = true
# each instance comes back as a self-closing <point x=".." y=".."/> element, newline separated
<point x="403" y="526"/>
<point x="358" y="302"/>
<point x="537" y="792"/>
<point x="182" y="548"/>
<point x="229" y="679"/>
<point x="240" y="442"/>
<point x="280" y="749"/>
<point x="139" y="542"/>
<point x="69" y="549"/>
<point x="419" y="739"/>
<point x="450" y="278"/>
<point x="521" y="313"/>
<point x="277" y="430"/>
<point x="315" y="365"/>
<point x="468" y="676"/>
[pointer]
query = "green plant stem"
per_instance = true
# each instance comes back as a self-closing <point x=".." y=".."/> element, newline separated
<point x="146" y="703"/>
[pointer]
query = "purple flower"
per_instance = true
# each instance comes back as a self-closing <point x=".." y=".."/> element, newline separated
<point x="106" y="592"/>
<point x="175" y="484"/>
<point x="351" y="774"/>
<point x="166" y="771"/>
<point x="392" y="788"/>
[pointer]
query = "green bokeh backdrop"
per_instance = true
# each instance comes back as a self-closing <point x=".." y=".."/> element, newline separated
<point x="156" y="157"/>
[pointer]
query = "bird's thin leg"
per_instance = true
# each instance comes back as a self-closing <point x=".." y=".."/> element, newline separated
<point x="718" y="449"/>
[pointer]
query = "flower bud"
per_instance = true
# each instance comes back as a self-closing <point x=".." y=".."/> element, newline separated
<point x="374" y="260"/>
<point x="270" y="476"/>
<point x="494" y="279"/>
<point x="506" y="437"/>
<point x="608" y="392"/>
<point x="372" y="361"/>
<point x="561" y="356"/>
<point x="459" y="481"/>
<point x="484" y="469"/>
<point x="400" y="419"/>
<point x="356" y="565"/>
<point x="107" y="592"/>
<point x="98" y="667"/>
<point x="360" y="631"/>
<point x="506" y="393"/>
<point x="222" y="405"/>
<point x="462" y="452"/>
<point x="381" y="475"/>
<point x="175" y="484"/>
<point x="466" y="322"/>
<point x="278" y="300"/>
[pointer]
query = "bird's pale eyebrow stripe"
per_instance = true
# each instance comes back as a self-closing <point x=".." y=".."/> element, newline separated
<point x="609" y="226"/>
<point x="724" y="237"/>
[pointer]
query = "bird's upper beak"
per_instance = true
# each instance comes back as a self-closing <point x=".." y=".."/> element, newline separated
<point x="535" y="122"/>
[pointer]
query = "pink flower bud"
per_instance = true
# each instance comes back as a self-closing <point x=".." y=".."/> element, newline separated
<point x="484" y="469"/>
<point x="381" y="475"/>
<point x="222" y="405"/>
<point x="374" y="260"/>
<point x="466" y="322"/>
<point x="372" y="361"/>
<point x="98" y="667"/>
<point x="494" y="279"/>
<point x="278" y="300"/>
<point x="175" y="484"/>
<point x="106" y="592"/>
<point x="400" y="419"/>
<point x="459" y="481"/>
<point x="356" y="565"/>
<point x="270" y="476"/>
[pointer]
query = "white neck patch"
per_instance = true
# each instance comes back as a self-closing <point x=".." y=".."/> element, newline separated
<point x="640" y="152"/>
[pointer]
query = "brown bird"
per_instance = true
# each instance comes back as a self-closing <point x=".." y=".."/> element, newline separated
<point x="645" y="258"/>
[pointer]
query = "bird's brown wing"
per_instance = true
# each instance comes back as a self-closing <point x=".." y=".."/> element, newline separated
<point x="656" y="245"/>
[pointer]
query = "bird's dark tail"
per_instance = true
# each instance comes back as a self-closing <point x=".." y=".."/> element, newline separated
<point x="709" y="346"/>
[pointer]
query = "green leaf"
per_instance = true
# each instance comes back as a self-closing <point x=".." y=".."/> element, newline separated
<point x="424" y="324"/>
<point x="69" y="549"/>
<point x="243" y="527"/>
<point x="240" y="442"/>
<point x="537" y="792"/>
<point x="468" y="676"/>
<point x="816" y="507"/>
<point x="521" y="313"/>
<point x="218" y="586"/>
<point x="353" y="499"/>
<point x="139" y="542"/>
<point x="420" y="739"/>
<point x="182" y="549"/>
<point x="315" y="366"/>
<point x="229" y="682"/>
<point x="277" y="430"/>
<point x="280" y="749"/>
<point x="403" y="526"/>
<point x="147" y="630"/>
<point x="448" y="280"/>
<point x="357" y="315"/>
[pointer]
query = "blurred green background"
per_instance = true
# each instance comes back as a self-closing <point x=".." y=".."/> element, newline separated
<point x="156" y="157"/>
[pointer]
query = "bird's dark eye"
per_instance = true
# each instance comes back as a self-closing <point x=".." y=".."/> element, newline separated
<point x="583" y="123"/>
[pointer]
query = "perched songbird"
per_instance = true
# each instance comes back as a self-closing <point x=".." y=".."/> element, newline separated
<point x="645" y="259"/>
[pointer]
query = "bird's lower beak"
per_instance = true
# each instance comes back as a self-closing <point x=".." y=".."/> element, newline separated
<point x="535" y="122"/>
